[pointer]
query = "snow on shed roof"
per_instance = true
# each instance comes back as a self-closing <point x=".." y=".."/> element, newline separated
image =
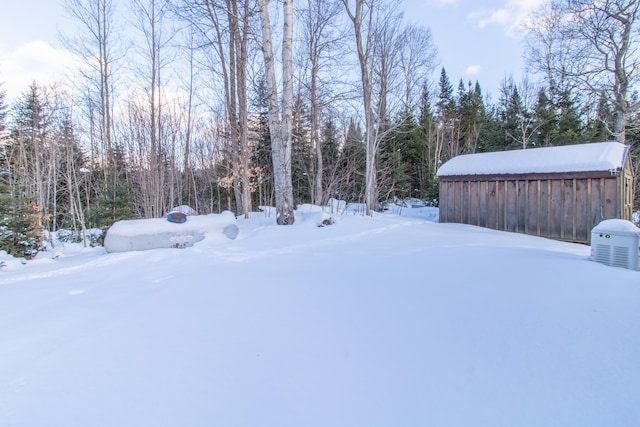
<point x="600" y="156"/>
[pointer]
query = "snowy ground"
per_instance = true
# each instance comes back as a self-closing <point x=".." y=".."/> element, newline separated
<point x="394" y="320"/>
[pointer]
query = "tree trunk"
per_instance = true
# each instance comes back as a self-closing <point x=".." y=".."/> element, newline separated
<point x="280" y="127"/>
<point x="371" y="188"/>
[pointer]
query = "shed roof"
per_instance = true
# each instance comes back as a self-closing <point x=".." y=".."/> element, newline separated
<point x="600" y="156"/>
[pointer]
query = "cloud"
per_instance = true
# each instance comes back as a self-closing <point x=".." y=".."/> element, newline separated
<point x="36" y="60"/>
<point x="473" y="70"/>
<point x="511" y="16"/>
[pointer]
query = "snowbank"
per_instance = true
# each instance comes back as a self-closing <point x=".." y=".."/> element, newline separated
<point x="155" y="233"/>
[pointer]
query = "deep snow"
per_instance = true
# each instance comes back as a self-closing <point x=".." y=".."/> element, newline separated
<point x="390" y="320"/>
<point x="597" y="156"/>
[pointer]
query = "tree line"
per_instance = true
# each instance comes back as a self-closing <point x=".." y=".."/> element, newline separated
<point x="193" y="108"/>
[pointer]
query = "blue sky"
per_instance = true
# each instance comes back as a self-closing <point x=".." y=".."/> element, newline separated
<point x="476" y="41"/>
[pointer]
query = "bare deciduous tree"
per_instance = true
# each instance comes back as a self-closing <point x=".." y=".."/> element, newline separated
<point x="96" y="43"/>
<point x="321" y="41"/>
<point x="547" y="49"/>
<point x="151" y="15"/>
<point x="223" y="27"/>
<point x="597" y="50"/>
<point x="362" y="14"/>
<point x="417" y="61"/>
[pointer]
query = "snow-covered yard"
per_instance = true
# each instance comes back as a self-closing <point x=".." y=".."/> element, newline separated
<point x="394" y="320"/>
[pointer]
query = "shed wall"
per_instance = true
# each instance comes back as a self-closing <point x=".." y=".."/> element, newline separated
<point x="562" y="207"/>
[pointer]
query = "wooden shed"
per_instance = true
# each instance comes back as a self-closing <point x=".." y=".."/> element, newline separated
<point x="555" y="192"/>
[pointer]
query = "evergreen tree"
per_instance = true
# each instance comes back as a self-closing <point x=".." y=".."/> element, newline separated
<point x="446" y="104"/>
<point x="330" y="143"/>
<point x="16" y="235"/>
<point x="115" y="200"/>
<point x="569" y="122"/>
<point x="20" y="226"/>
<point x="352" y="165"/>
<point x="3" y="114"/>
<point x="471" y="113"/>
<point x="72" y="186"/>
<point x="430" y="153"/>
<point x="492" y="137"/>
<point x="599" y="127"/>
<point x="25" y="184"/>
<point x="447" y="136"/>
<point x="514" y="118"/>
<point x="545" y="120"/>
<point x="302" y="158"/>
<point x="9" y="213"/>
<point x="4" y="166"/>
<point x="394" y="161"/>
<point x="261" y="161"/>
<point x="413" y="155"/>
<point x="331" y="156"/>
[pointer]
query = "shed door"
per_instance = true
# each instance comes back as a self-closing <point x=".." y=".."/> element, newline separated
<point x="627" y="196"/>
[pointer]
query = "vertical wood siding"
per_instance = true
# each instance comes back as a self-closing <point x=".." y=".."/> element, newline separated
<point x="566" y="208"/>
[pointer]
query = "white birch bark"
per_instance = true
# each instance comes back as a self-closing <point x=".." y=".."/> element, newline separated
<point x="280" y="125"/>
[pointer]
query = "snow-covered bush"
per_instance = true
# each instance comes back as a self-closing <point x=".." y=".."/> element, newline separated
<point x="94" y="237"/>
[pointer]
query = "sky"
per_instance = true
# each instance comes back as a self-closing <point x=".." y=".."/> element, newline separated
<point x="475" y="42"/>
<point x="390" y="320"/>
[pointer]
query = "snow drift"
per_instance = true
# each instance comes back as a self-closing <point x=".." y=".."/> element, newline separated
<point x="388" y="320"/>
<point x="156" y="233"/>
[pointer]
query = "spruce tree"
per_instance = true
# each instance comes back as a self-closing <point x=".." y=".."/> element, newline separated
<point x="115" y="200"/>
<point x="3" y="114"/>
<point x="23" y="185"/>
<point x="394" y="162"/>
<point x="514" y="120"/>
<point x="352" y="163"/>
<point x="261" y="160"/>
<point x="545" y="120"/>
<point x="446" y="103"/>
<point x="569" y="122"/>
<point x="599" y="127"/>
<point x="429" y="157"/>
<point x="331" y="153"/>
<point x="471" y="113"/>
<point x="302" y="158"/>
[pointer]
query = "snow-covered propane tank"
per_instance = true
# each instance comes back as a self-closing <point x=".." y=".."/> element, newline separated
<point x="155" y="233"/>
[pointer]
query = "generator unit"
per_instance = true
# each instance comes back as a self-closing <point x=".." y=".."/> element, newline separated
<point x="616" y="242"/>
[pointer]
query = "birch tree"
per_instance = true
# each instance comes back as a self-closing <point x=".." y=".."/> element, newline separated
<point x="280" y="113"/>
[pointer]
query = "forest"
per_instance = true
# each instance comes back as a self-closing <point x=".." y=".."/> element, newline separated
<point x="183" y="102"/>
